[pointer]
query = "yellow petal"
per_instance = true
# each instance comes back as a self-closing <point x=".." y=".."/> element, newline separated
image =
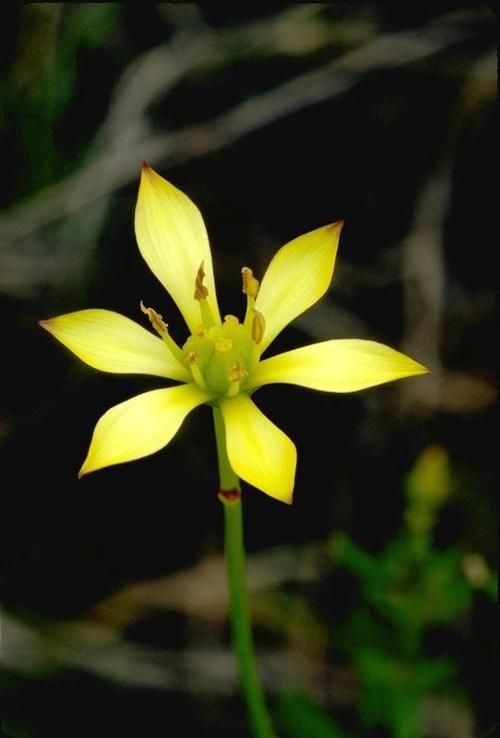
<point x="140" y="426"/>
<point x="113" y="343"/>
<point x="298" y="275"/>
<point x="343" y="365"/>
<point x="258" y="451"/>
<point x="173" y="241"/>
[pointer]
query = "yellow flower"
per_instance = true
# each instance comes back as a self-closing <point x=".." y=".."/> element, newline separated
<point x="220" y="363"/>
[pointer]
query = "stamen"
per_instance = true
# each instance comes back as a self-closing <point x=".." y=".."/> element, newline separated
<point x="258" y="326"/>
<point x="201" y="294"/>
<point x="161" y="328"/>
<point x="250" y="284"/>
<point x="194" y="365"/>
<point x="200" y="291"/>
<point x="155" y="319"/>
<point x="236" y="374"/>
<point x="250" y="289"/>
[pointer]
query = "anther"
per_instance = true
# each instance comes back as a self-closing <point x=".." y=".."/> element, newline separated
<point x="201" y="294"/>
<point x="200" y="291"/>
<point x="250" y="284"/>
<point x="258" y="326"/>
<point x="236" y="374"/>
<point x="161" y="328"/>
<point x="155" y="319"/>
<point x="194" y="365"/>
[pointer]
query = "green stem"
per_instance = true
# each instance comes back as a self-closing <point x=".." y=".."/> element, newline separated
<point x="229" y="482"/>
<point x="230" y="496"/>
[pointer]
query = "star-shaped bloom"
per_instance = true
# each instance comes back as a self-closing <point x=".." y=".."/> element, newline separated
<point x="220" y="363"/>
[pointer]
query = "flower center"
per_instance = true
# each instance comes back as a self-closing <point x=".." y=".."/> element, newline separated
<point x="221" y="357"/>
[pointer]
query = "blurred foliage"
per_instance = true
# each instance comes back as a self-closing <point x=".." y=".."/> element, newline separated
<point x="405" y="592"/>
<point x="298" y="716"/>
<point x="42" y="83"/>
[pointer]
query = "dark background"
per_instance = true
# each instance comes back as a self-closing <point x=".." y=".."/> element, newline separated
<point x="275" y="122"/>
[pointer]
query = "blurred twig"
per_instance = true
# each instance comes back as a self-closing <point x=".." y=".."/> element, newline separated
<point x="425" y="279"/>
<point x="115" y="166"/>
<point x="198" y="671"/>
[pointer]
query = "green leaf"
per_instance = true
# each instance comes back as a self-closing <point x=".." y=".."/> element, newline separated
<point x="298" y="716"/>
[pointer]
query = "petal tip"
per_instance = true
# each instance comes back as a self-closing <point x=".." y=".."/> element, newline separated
<point x="86" y="468"/>
<point x="279" y="494"/>
<point x="337" y="225"/>
<point x="417" y="367"/>
<point x="147" y="172"/>
<point x="46" y="324"/>
<point x="83" y="471"/>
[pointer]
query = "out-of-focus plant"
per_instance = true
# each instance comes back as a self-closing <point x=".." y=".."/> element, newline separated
<point x="43" y="81"/>
<point x="408" y="589"/>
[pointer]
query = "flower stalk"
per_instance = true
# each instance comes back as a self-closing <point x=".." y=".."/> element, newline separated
<point x="241" y="630"/>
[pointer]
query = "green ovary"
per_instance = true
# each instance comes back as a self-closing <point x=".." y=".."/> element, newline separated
<point x="224" y="356"/>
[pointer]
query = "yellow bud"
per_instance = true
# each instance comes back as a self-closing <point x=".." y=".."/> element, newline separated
<point x="475" y="570"/>
<point x="429" y="482"/>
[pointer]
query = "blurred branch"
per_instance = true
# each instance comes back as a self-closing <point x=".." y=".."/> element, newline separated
<point x="40" y="258"/>
<point x="98" y="650"/>
<point x="203" y="589"/>
<point x="114" y="167"/>
<point x="424" y="275"/>
<point x="197" y="671"/>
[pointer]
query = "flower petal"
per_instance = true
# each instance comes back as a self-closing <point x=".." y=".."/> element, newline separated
<point x="258" y="451"/>
<point x="140" y="426"/>
<point x="173" y="241"/>
<point x="113" y="343"/>
<point x="298" y="275"/>
<point x="343" y="365"/>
